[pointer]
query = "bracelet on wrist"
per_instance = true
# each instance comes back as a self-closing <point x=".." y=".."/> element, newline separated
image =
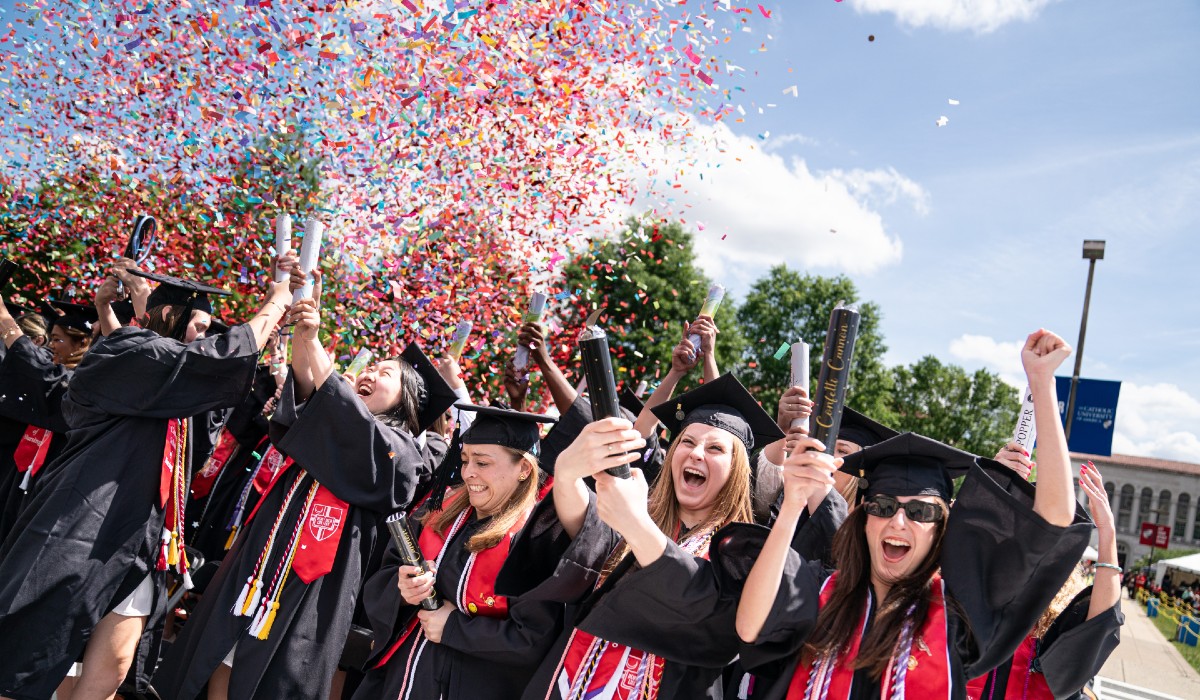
<point x="1105" y="565"/>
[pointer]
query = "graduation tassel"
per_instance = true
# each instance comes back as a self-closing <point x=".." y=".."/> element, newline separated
<point x="162" y="554"/>
<point x="173" y="550"/>
<point x="255" y="596"/>
<point x="25" y="480"/>
<point x="265" y="629"/>
<point x="258" y="620"/>
<point x="187" y="580"/>
<point x="232" y="535"/>
<point x="240" y="605"/>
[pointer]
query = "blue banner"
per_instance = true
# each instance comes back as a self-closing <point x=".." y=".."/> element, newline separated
<point x="1095" y="414"/>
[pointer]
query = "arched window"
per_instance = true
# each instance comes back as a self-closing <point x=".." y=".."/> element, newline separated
<point x="1145" y="506"/>
<point x="1163" y="513"/>
<point x="1111" y="489"/>
<point x="1122" y="549"/>
<point x="1125" y="509"/>
<point x="1181" y="517"/>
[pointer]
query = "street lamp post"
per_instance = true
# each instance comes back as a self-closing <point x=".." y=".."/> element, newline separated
<point x="1092" y="251"/>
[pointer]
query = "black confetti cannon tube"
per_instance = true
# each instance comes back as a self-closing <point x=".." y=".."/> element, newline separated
<point x="834" y="376"/>
<point x="410" y="554"/>
<point x="601" y="384"/>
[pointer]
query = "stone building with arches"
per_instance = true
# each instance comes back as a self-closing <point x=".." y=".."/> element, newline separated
<point x="1144" y="489"/>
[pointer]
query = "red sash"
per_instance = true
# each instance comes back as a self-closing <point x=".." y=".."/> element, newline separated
<point x="928" y="674"/>
<point x="202" y="483"/>
<point x="476" y="588"/>
<point x="321" y="535"/>
<point x="31" y="452"/>
<point x="1023" y="681"/>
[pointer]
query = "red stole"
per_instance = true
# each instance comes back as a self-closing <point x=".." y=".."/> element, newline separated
<point x="321" y="534"/>
<point x="476" y="588"/>
<point x="928" y="667"/>
<point x="31" y="452"/>
<point x="1023" y="681"/>
<point x="202" y="483"/>
<point x="172" y="497"/>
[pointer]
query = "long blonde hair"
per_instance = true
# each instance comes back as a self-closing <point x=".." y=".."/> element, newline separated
<point x="733" y="501"/>
<point x="521" y="501"/>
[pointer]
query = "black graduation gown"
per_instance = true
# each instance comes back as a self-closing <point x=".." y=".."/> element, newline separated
<point x="1071" y="652"/>
<point x="1001" y="563"/>
<point x="479" y="657"/>
<point x="369" y="465"/>
<point x="31" y="392"/>
<point x="572" y="423"/>
<point x="208" y="517"/>
<point x="671" y="608"/>
<point x="91" y="532"/>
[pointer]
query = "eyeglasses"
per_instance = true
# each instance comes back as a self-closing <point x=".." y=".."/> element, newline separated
<point x="918" y="511"/>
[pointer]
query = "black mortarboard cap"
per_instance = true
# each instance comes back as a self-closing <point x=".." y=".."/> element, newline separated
<point x="81" y="317"/>
<point x="908" y="465"/>
<point x="863" y="431"/>
<point x="216" y="327"/>
<point x="630" y="402"/>
<point x="178" y="291"/>
<point x="723" y="403"/>
<point x="505" y="427"/>
<point x="438" y="394"/>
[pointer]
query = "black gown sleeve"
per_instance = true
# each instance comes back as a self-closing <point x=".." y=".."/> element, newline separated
<point x="1003" y="564"/>
<point x="32" y="386"/>
<point x="135" y="372"/>
<point x="794" y="610"/>
<point x="545" y="564"/>
<point x="1075" y="648"/>
<point x="336" y="439"/>
<point x="671" y="608"/>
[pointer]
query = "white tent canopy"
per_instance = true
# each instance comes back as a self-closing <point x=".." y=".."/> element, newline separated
<point x="1189" y="564"/>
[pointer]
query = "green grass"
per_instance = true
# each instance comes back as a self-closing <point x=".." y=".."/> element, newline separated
<point x="1167" y="627"/>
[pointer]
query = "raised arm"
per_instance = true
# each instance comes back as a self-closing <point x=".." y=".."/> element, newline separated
<point x="1054" y="500"/>
<point x="602" y="445"/>
<point x="311" y="365"/>
<point x="1106" y="589"/>
<point x="533" y="335"/>
<point x="706" y="328"/>
<point x="807" y="480"/>
<point x="683" y="360"/>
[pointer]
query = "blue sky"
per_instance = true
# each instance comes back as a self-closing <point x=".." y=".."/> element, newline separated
<point x="1075" y="120"/>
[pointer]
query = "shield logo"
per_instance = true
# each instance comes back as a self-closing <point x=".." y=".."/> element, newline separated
<point x="324" y="521"/>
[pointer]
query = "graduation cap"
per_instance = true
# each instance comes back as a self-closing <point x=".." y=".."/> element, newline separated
<point x="438" y="395"/>
<point x="178" y="291"/>
<point x="863" y="431"/>
<point x="630" y="402"/>
<point x="80" y="317"/>
<point x="124" y="311"/>
<point x="216" y="327"/>
<point x="495" y="425"/>
<point x="908" y="465"/>
<point x="723" y="403"/>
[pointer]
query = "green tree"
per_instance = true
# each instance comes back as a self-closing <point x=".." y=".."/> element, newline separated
<point x="785" y="307"/>
<point x="647" y="281"/>
<point x="971" y="411"/>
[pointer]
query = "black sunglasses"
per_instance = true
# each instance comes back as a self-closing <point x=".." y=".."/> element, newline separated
<point x="918" y="511"/>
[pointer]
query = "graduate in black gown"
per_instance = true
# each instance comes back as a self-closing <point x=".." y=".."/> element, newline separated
<point x="33" y="380"/>
<point x="273" y="621"/>
<point x="86" y="563"/>
<point x="924" y="596"/>
<point x="1081" y="627"/>
<point x="477" y="645"/>
<point x="645" y="619"/>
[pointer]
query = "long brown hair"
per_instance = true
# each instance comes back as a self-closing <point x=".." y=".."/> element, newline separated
<point x="156" y="322"/>
<point x="732" y="506"/>
<point x="85" y="343"/>
<point x="839" y="620"/>
<point x="522" y="500"/>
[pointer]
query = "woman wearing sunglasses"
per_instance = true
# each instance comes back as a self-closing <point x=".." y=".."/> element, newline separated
<point x="924" y="596"/>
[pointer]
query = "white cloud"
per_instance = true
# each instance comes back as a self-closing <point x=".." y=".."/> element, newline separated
<point x="1156" y="420"/>
<point x="753" y="209"/>
<point x="980" y="16"/>
<point x="1003" y="358"/>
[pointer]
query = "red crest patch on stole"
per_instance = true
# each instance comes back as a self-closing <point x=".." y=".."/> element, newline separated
<point x="324" y="521"/>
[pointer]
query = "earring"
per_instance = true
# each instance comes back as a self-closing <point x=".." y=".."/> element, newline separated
<point x="523" y="478"/>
